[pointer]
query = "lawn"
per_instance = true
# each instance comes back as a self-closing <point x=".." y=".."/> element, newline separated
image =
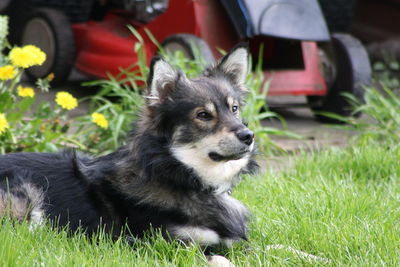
<point x="339" y="204"/>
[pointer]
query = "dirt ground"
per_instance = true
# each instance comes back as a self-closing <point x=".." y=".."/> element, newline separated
<point x="300" y="120"/>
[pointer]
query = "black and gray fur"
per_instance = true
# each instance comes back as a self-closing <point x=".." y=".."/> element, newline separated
<point x="175" y="173"/>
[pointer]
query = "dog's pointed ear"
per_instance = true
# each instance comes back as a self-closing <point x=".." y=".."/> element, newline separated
<point x="161" y="81"/>
<point x="233" y="65"/>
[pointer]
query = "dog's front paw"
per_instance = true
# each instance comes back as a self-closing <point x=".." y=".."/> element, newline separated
<point x="219" y="261"/>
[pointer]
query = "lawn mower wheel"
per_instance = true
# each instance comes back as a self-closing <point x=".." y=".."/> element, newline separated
<point x="352" y="71"/>
<point x="190" y="45"/>
<point x="50" y="30"/>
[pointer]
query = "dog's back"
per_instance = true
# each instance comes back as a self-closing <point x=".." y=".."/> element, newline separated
<point x="35" y="186"/>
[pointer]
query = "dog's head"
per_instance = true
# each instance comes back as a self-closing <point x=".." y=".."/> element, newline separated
<point x="201" y="116"/>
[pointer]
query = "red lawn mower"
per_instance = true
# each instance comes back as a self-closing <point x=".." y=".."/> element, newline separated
<point x="300" y="56"/>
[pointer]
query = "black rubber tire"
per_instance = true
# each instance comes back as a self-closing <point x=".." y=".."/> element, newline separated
<point x="338" y="14"/>
<point x="76" y="10"/>
<point x="4" y="5"/>
<point x="353" y="72"/>
<point x="17" y="12"/>
<point x="59" y="45"/>
<point x="185" y="43"/>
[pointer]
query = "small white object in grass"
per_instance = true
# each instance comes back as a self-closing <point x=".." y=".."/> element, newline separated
<point x="219" y="261"/>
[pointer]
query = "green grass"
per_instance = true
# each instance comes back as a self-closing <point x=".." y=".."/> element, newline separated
<point x="340" y="204"/>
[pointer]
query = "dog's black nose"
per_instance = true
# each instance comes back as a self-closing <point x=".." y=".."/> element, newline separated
<point x="246" y="136"/>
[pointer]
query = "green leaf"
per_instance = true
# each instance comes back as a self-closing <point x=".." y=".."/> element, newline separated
<point x="25" y="103"/>
<point x="6" y="101"/>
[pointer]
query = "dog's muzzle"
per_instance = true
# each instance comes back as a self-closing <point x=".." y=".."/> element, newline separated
<point x="235" y="147"/>
<point x="246" y="140"/>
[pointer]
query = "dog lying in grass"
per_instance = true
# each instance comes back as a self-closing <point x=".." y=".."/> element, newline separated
<point x="175" y="173"/>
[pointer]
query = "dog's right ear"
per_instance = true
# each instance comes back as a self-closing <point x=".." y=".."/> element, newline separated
<point x="161" y="81"/>
<point x="233" y="65"/>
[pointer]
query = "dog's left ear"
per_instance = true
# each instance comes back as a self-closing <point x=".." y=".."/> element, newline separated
<point x="162" y="80"/>
<point x="233" y="65"/>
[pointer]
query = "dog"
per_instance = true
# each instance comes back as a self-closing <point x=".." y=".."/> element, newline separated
<point x="176" y="172"/>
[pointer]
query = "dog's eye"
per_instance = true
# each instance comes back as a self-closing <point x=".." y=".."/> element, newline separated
<point x="204" y="115"/>
<point x="235" y="109"/>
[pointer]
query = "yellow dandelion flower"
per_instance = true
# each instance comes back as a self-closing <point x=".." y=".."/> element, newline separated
<point x="7" y="72"/>
<point x="3" y="123"/>
<point x="66" y="100"/>
<point x="100" y="120"/>
<point x="27" y="56"/>
<point x="19" y="58"/>
<point x="25" y="91"/>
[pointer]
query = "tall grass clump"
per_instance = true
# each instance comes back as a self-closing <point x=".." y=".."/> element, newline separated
<point x="381" y="115"/>
<point x="383" y="108"/>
